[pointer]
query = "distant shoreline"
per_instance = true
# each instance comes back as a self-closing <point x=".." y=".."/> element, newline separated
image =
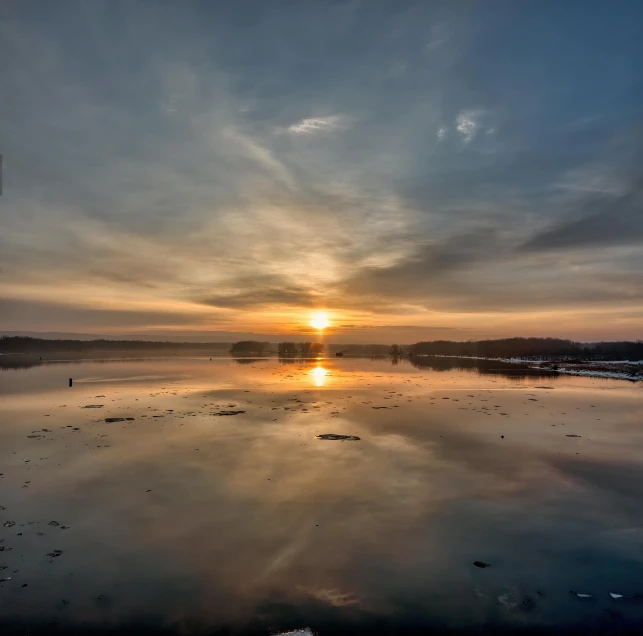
<point x="611" y="369"/>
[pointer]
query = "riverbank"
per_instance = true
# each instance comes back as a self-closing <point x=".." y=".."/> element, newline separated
<point x="615" y="370"/>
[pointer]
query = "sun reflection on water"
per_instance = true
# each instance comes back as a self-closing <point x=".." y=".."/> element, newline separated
<point x="319" y="375"/>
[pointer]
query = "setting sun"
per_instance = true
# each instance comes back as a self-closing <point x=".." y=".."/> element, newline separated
<point x="320" y="321"/>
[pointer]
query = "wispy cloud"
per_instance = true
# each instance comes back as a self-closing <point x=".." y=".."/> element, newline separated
<point x="467" y="124"/>
<point x="319" y="124"/>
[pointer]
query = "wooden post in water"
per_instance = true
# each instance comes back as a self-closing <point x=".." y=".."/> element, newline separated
<point x="70" y="381"/>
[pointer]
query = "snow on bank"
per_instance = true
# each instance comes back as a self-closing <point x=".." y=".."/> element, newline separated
<point x="600" y="374"/>
<point x="620" y="369"/>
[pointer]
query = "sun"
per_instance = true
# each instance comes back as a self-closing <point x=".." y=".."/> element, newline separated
<point x="320" y="321"/>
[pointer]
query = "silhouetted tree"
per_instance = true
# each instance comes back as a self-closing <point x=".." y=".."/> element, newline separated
<point x="531" y="348"/>
<point x="287" y="349"/>
<point x="311" y="349"/>
<point x="25" y="344"/>
<point x="250" y="347"/>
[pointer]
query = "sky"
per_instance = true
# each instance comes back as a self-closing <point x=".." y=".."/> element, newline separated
<point x="418" y="170"/>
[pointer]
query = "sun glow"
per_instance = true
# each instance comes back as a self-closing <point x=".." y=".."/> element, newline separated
<point x="320" y="321"/>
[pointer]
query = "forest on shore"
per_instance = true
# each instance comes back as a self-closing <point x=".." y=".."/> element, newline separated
<point x="531" y="348"/>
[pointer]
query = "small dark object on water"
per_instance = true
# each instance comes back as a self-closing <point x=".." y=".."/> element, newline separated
<point x="55" y="553"/>
<point x="24" y="585"/>
<point x="70" y="381"/>
<point x="229" y="413"/>
<point x="334" y="436"/>
<point x="572" y="435"/>
<point x="119" y="419"/>
<point x="53" y="523"/>
<point x="502" y="437"/>
<point x="481" y="564"/>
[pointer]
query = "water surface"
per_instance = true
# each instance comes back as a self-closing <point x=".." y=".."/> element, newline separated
<point x="193" y="522"/>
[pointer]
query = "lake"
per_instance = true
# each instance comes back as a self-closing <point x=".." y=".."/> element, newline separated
<point x="216" y="510"/>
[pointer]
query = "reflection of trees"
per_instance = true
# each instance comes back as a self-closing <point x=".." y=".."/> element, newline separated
<point x="6" y="362"/>
<point x="483" y="367"/>
<point x="289" y="360"/>
<point x="247" y="360"/>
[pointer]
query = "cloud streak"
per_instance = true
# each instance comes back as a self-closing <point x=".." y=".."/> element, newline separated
<point x="315" y="125"/>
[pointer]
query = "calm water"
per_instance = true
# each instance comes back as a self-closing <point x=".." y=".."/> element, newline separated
<point x="185" y="520"/>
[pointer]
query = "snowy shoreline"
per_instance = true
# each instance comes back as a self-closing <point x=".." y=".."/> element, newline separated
<point x="621" y="369"/>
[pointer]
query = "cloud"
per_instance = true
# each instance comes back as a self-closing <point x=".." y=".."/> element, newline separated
<point x="608" y="220"/>
<point x="467" y="124"/>
<point x="316" y="125"/>
<point x="25" y="315"/>
<point x="265" y="296"/>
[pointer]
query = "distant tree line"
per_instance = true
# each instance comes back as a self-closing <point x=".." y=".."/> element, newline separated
<point x="502" y="348"/>
<point x="531" y="348"/>
<point x="250" y="348"/>
<point x="300" y="349"/>
<point x="26" y="344"/>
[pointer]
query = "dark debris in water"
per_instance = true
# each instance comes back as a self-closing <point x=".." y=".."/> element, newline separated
<point x="334" y="436"/>
<point x="119" y="419"/>
<point x="229" y="413"/>
<point x="481" y="564"/>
